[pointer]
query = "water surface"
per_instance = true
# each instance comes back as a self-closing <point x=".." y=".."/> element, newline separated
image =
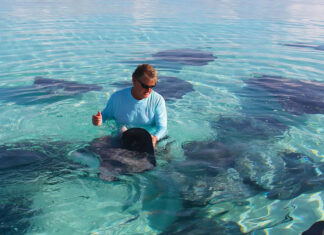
<point x="273" y="152"/>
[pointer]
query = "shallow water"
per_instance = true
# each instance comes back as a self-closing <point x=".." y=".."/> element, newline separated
<point x="101" y="42"/>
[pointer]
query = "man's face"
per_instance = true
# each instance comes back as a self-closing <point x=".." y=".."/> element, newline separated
<point x="143" y="87"/>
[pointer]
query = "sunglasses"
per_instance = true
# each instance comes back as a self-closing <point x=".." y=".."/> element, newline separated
<point x="145" y="86"/>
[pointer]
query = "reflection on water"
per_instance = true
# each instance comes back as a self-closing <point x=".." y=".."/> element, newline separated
<point x="244" y="150"/>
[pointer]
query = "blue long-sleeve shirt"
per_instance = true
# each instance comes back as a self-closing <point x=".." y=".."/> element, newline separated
<point x="128" y="111"/>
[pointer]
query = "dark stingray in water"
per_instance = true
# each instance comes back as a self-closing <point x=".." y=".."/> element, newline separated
<point x="213" y="172"/>
<point x="300" y="175"/>
<point x="25" y="167"/>
<point x="289" y="175"/>
<point x="316" y="47"/>
<point x="192" y="222"/>
<point x="15" y="215"/>
<point x="16" y="158"/>
<point x="133" y="153"/>
<point x="316" y="229"/>
<point x="67" y="86"/>
<point x="35" y="157"/>
<point x="186" y="56"/>
<point x="169" y="87"/>
<point x="208" y="174"/>
<point x="45" y="90"/>
<point x="173" y="60"/>
<point x="295" y="96"/>
<point x="30" y="152"/>
<point x="248" y="128"/>
<point x="212" y="154"/>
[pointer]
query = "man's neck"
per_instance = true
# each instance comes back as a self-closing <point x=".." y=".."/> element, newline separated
<point x="134" y="95"/>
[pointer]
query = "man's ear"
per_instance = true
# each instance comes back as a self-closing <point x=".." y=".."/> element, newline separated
<point x="133" y="80"/>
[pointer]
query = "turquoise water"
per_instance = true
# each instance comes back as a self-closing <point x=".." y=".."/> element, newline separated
<point x="101" y="42"/>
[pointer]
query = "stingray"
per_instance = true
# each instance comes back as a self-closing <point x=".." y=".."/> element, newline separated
<point x="132" y="153"/>
<point x="248" y="128"/>
<point x="295" y="96"/>
<point x="15" y="215"/>
<point x="186" y="56"/>
<point x="35" y="156"/>
<point x="25" y="167"/>
<point x="25" y="153"/>
<point x="316" y="229"/>
<point x="213" y="172"/>
<point x="170" y="88"/>
<point x="212" y="154"/>
<point x="193" y="222"/>
<point x="45" y="90"/>
<point x="300" y="175"/>
<point x="155" y="62"/>
<point x="208" y="176"/>
<point x="302" y="45"/>
<point x="175" y="59"/>
<point x="286" y="176"/>
<point x="22" y="154"/>
<point x="16" y="158"/>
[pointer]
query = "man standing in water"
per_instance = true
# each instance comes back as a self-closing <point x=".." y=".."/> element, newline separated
<point x="138" y="105"/>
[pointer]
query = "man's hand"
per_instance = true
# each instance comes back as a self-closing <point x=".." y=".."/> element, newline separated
<point x="97" y="119"/>
<point x="154" y="140"/>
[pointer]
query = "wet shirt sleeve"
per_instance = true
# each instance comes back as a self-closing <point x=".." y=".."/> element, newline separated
<point x="160" y="119"/>
<point x="107" y="113"/>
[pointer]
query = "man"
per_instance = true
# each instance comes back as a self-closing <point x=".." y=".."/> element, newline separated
<point x="138" y="105"/>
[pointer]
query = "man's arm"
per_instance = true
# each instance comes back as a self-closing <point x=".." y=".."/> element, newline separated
<point x="160" y="120"/>
<point x="105" y="114"/>
<point x="108" y="111"/>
